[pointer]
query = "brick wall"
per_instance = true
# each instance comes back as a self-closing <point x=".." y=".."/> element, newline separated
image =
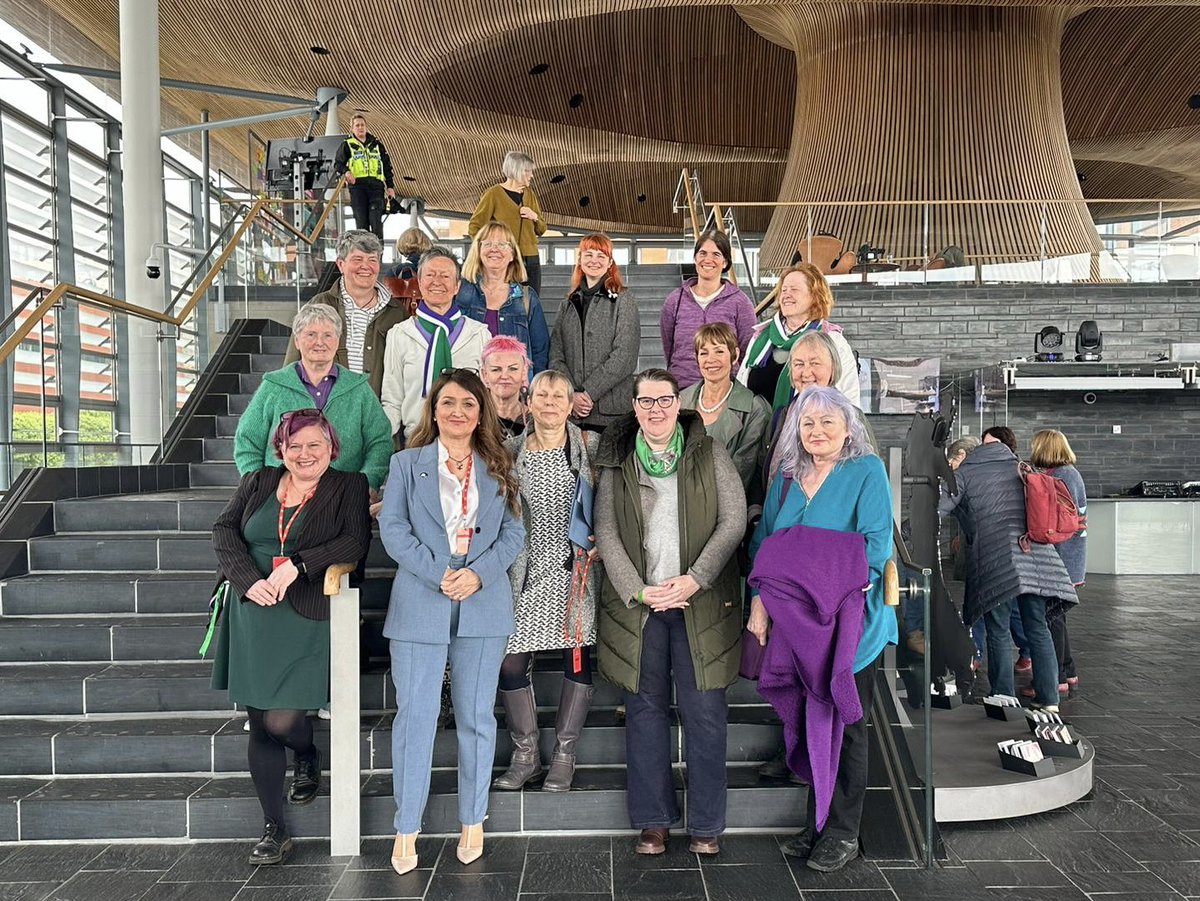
<point x="970" y="327"/>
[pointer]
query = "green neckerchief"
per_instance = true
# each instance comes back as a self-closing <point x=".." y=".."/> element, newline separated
<point x="664" y="464"/>
<point x="769" y="339"/>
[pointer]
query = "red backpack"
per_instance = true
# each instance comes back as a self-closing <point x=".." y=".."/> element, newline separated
<point x="1051" y="516"/>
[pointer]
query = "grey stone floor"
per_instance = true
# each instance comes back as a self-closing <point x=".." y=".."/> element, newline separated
<point x="1136" y="837"/>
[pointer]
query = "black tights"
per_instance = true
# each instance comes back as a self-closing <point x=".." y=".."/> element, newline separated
<point x="272" y="732"/>
<point x="514" y="671"/>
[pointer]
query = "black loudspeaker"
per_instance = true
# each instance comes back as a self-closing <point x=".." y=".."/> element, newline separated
<point x="1089" y="342"/>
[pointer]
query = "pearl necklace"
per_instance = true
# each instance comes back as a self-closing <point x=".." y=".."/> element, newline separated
<point x="717" y="405"/>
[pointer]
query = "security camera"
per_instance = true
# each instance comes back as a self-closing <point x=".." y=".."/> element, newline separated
<point x="153" y="267"/>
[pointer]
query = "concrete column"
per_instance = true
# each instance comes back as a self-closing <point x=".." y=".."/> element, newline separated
<point x="143" y="212"/>
<point x="331" y="111"/>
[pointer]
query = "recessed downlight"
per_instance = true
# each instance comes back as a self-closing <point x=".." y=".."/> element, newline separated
<point x="576" y="101"/>
<point x="557" y="179"/>
<point x="539" y="69"/>
<point x="584" y="200"/>
<point x="319" y="50"/>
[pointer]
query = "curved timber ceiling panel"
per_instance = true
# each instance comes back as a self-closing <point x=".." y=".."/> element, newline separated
<point x="668" y="83"/>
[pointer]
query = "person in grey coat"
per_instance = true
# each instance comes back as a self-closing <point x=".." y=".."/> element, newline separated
<point x="990" y="508"/>
<point x="596" y="337"/>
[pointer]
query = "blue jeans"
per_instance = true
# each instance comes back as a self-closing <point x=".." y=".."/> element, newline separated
<point x="1018" y="633"/>
<point x="1041" y="647"/>
<point x="704" y="717"/>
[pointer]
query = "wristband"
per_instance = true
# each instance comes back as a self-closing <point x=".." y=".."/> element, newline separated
<point x="639" y="596"/>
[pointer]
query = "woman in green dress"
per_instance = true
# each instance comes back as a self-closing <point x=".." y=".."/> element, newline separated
<point x="283" y="528"/>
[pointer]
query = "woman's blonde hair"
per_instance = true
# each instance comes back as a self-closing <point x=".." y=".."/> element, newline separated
<point x="473" y="267"/>
<point x="412" y="241"/>
<point x="1049" y="449"/>
<point x="487" y="440"/>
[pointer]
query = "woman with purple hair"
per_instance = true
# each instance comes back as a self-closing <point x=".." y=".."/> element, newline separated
<point x="829" y="479"/>
<point x="283" y="528"/>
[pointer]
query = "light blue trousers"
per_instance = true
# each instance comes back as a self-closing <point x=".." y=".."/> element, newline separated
<point x="417" y="671"/>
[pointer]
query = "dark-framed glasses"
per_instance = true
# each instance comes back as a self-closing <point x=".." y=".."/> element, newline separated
<point x="665" y="402"/>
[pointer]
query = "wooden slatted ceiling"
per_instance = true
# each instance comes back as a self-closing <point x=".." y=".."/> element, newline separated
<point x="446" y="84"/>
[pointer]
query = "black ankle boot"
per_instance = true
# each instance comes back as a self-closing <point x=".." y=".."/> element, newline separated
<point x="306" y="780"/>
<point x="274" y="845"/>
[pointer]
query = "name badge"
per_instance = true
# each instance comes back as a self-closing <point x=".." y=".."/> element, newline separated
<point x="277" y="562"/>
<point x="462" y="540"/>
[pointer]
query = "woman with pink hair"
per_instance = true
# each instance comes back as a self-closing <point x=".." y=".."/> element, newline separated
<point x="505" y="369"/>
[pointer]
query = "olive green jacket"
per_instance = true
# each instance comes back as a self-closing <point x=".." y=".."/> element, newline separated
<point x="712" y="520"/>
<point x="375" y="341"/>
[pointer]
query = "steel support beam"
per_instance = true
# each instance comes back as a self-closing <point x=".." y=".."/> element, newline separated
<point x="69" y="364"/>
<point x="265" y="96"/>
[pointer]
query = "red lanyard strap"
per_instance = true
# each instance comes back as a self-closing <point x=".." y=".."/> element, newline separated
<point x="466" y="486"/>
<point x="575" y="601"/>
<point x="282" y="530"/>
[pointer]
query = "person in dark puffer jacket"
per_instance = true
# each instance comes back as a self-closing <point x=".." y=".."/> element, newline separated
<point x="990" y="508"/>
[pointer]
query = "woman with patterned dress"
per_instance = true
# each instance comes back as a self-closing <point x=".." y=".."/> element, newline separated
<point x="554" y="582"/>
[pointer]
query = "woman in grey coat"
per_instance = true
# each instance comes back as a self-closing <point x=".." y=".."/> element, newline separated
<point x="990" y="508"/>
<point x="596" y="337"/>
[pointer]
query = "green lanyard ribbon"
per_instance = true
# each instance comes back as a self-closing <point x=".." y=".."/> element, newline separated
<point x="216" y="604"/>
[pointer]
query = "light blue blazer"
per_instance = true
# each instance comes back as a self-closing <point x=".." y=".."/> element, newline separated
<point x="413" y="530"/>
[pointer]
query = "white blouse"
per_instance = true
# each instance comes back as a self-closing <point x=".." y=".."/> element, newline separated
<point x="450" y="489"/>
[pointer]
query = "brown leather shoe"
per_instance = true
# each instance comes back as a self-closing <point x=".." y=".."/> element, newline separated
<point x="652" y="841"/>
<point x="699" y="844"/>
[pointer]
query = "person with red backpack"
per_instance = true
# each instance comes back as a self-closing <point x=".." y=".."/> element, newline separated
<point x="1051" y="452"/>
<point x="990" y="506"/>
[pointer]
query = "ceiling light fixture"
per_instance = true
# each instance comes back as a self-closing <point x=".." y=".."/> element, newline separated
<point x="540" y="69"/>
<point x="584" y="200"/>
<point x="319" y="50"/>
<point x="557" y="179"/>
<point x="408" y="178"/>
<point x="641" y="198"/>
<point x="576" y="101"/>
<point x="1194" y="101"/>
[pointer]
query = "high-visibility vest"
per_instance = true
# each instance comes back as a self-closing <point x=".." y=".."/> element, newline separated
<point x="365" y="162"/>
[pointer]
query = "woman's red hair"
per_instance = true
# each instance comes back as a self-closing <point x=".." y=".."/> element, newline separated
<point x="603" y="243"/>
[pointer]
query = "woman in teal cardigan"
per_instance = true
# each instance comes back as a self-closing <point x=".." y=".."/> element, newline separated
<point x="316" y="381"/>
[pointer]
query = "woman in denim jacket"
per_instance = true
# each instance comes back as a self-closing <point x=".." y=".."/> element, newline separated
<point x="493" y="293"/>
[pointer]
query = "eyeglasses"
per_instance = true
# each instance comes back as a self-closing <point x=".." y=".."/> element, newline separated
<point x="665" y="402"/>
<point x="495" y="245"/>
<point x="308" y="413"/>
<point x="453" y="369"/>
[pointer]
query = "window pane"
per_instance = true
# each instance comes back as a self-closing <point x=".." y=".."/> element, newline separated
<point x="32" y="259"/>
<point x="88" y="135"/>
<point x="28" y="96"/>
<point x="92" y="275"/>
<point x="96" y="330"/>
<point x="26" y="150"/>
<point x="28" y="424"/>
<point x="34" y="369"/>
<point x="90" y="231"/>
<point x="30" y="206"/>
<point x="96" y="426"/>
<point x="96" y="380"/>
<point x="89" y="182"/>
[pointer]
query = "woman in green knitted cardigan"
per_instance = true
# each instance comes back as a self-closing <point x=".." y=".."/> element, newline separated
<point x="345" y="397"/>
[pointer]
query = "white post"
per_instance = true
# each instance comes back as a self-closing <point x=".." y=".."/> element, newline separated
<point x="141" y="144"/>
<point x="345" y="823"/>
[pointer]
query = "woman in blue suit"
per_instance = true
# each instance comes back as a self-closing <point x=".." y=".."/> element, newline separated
<point x="451" y="521"/>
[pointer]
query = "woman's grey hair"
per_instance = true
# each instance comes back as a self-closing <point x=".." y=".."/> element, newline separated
<point x="515" y="163"/>
<point x="358" y="239"/>
<point x="963" y="445"/>
<point x="822" y="338"/>
<point x="794" y="460"/>
<point x="316" y="312"/>
<point x="553" y="376"/>
<point x="437" y="252"/>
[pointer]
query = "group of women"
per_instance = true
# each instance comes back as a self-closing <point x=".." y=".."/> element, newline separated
<point x="590" y="511"/>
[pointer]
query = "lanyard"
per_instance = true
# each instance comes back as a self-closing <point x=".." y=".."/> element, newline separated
<point x="466" y="485"/>
<point x="575" y="602"/>
<point x="284" y="530"/>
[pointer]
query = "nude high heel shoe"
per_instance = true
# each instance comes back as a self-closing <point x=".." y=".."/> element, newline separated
<point x="404" y="852"/>
<point x="470" y="843"/>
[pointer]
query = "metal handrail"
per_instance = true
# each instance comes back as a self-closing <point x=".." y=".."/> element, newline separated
<point x="63" y="290"/>
<point x="11" y="317"/>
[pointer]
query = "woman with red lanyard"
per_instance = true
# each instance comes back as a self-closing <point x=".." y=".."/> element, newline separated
<point x="555" y="582"/>
<point x="283" y="528"/>
<point x="451" y="520"/>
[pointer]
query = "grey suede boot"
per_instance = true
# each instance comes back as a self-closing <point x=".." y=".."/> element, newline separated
<point x="573" y="708"/>
<point x="520" y="714"/>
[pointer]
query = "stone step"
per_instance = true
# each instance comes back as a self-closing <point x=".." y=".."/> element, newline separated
<point x="102" y="638"/>
<point x="248" y="382"/>
<point x="218" y="450"/>
<point x="181" y="687"/>
<point x="205" y="475"/>
<point x="120" y="552"/>
<point x="104" y="593"/>
<point x="265" y="362"/>
<point x="201" y="807"/>
<point x="173" y="510"/>
<point x="238" y="402"/>
<point x="227" y="426"/>
<point x="275" y="344"/>
<point x="217" y="745"/>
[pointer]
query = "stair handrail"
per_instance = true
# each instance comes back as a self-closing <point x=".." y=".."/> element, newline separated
<point x="686" y="198"/>
<point x="63" y="290"/>
<point x="726" y="223"/>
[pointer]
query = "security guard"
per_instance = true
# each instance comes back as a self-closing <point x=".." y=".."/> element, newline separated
<point x="368" y="172"/>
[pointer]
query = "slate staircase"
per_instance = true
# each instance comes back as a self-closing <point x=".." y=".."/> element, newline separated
<point x="108" y="729"/>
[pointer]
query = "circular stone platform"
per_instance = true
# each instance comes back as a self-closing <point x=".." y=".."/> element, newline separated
<point x="972" y="785"/>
